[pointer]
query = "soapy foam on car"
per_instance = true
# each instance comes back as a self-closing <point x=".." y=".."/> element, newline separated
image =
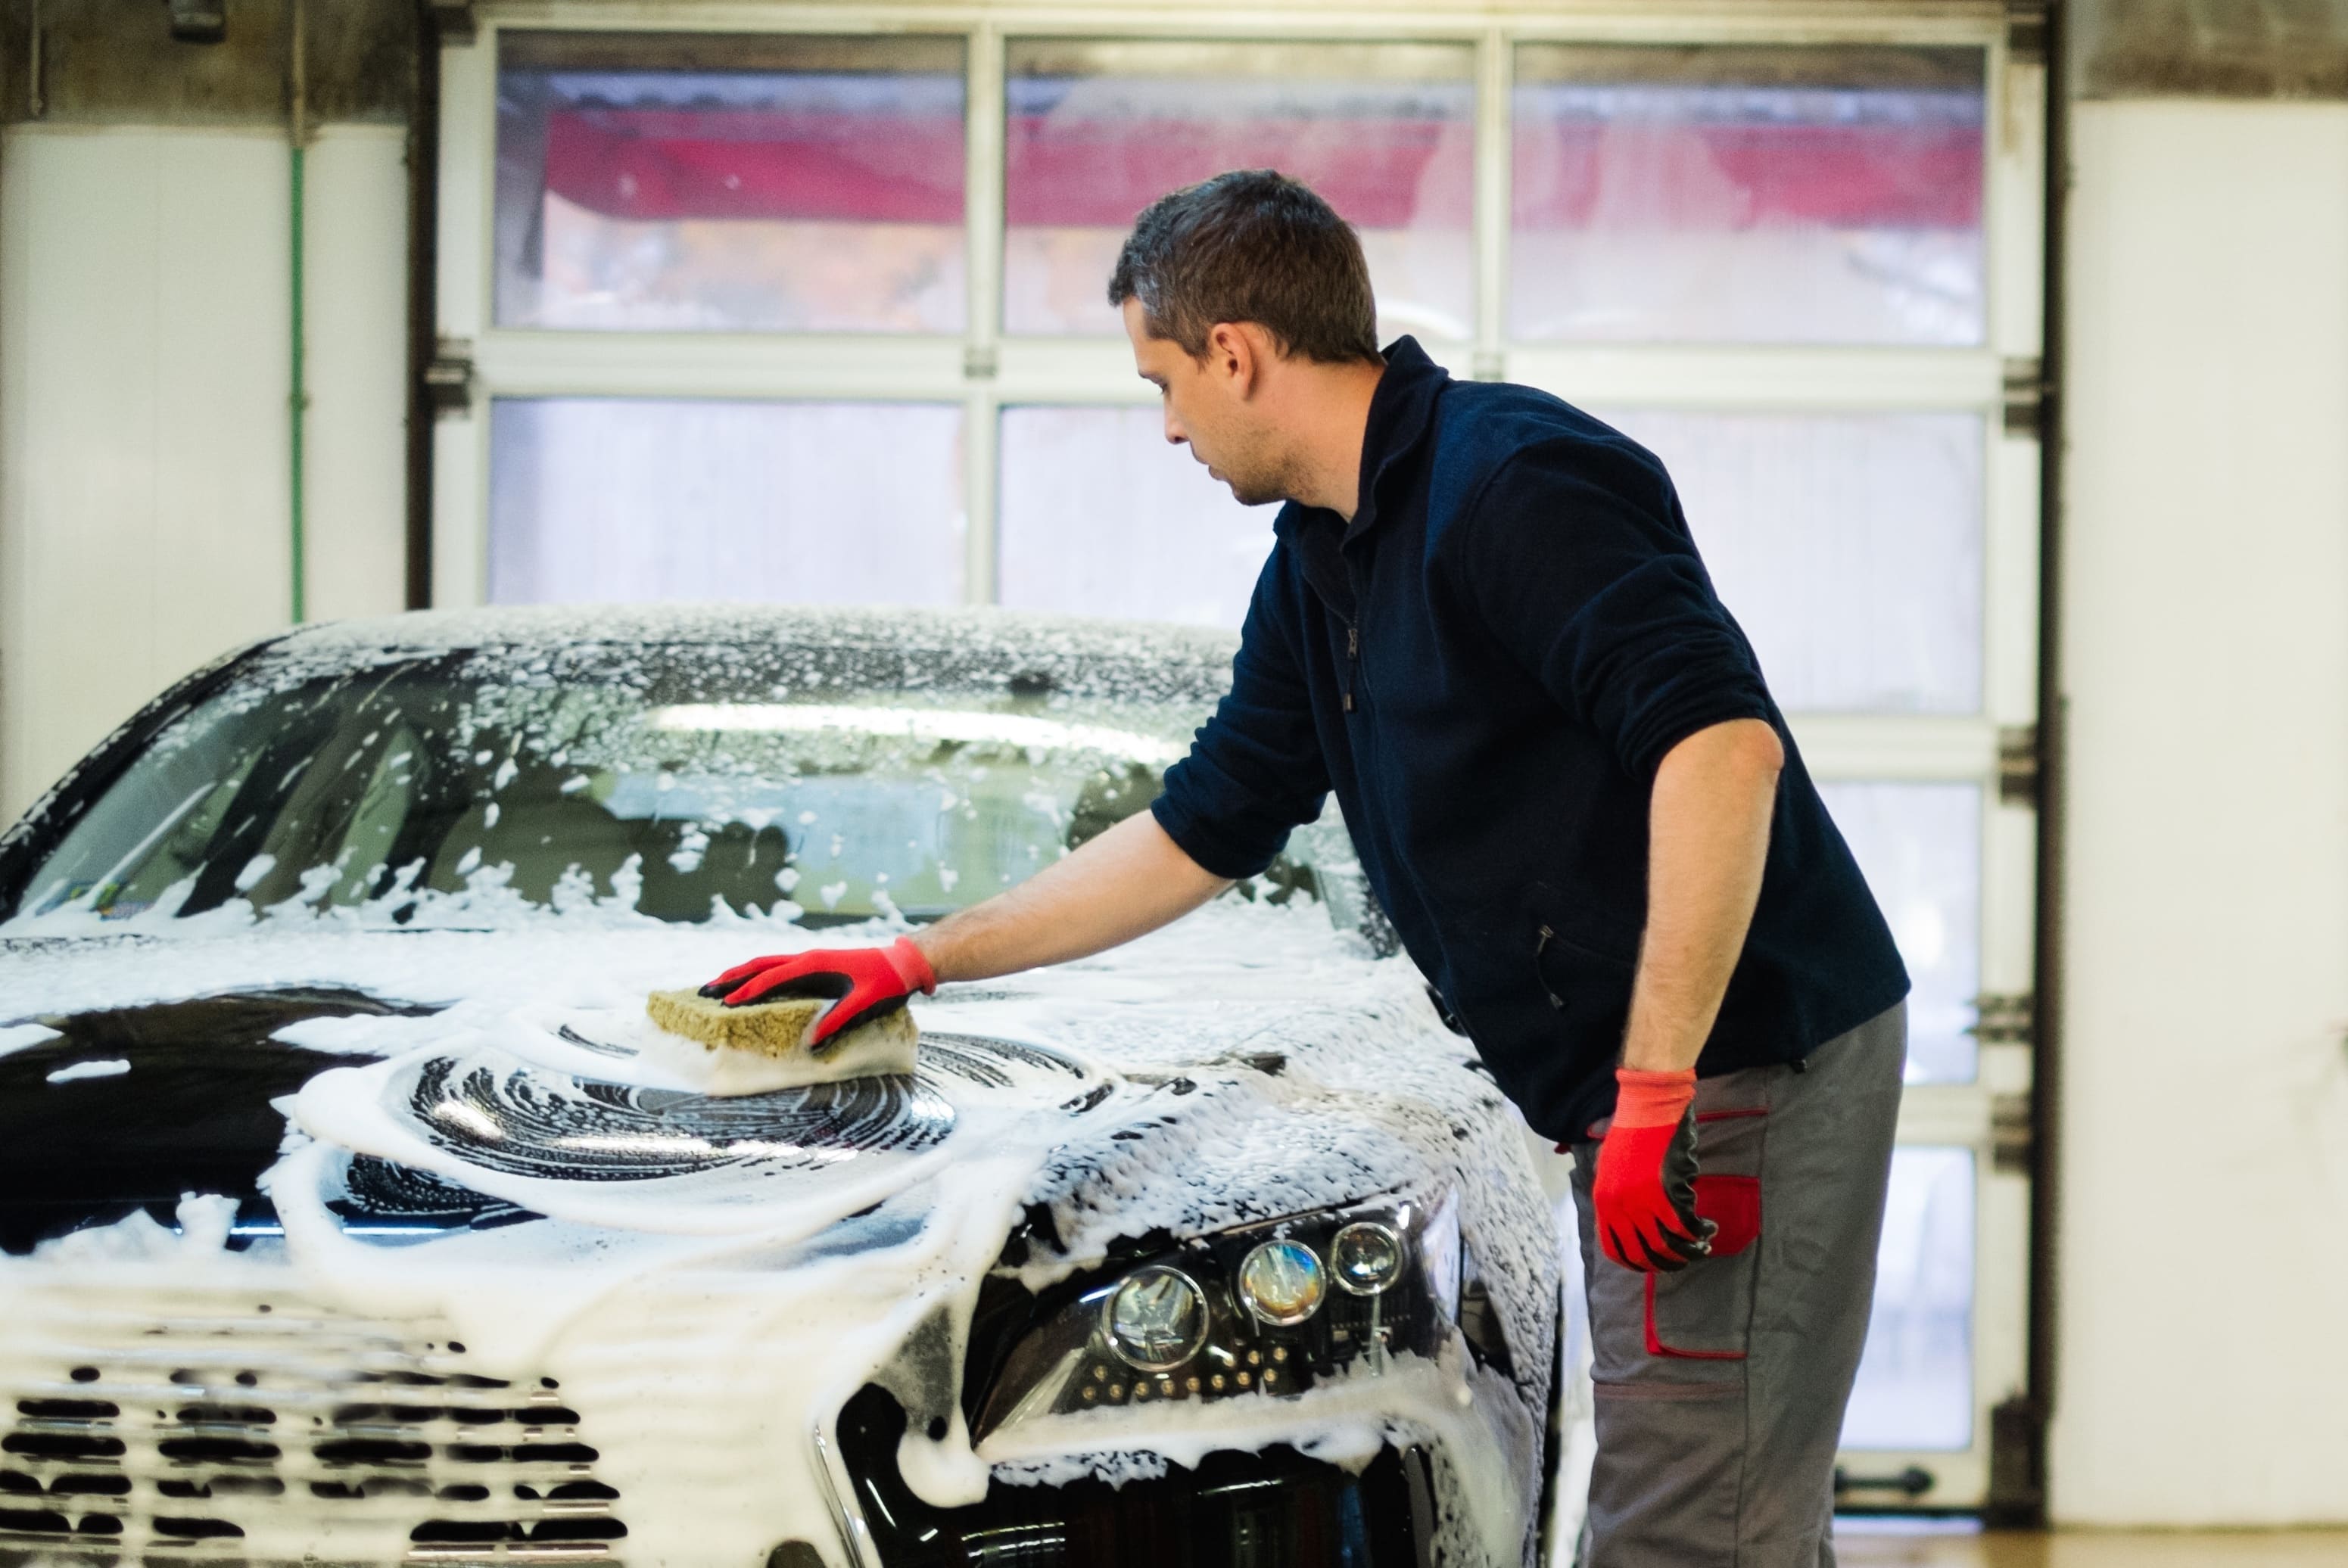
<point x="1345" y="1420"/>
<point x="108" y="1067"/>
<point x="24" y="1037"/>
<point x="703" y="1331"/>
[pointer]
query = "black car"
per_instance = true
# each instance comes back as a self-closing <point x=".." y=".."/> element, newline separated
<point x="354" y="1211"/>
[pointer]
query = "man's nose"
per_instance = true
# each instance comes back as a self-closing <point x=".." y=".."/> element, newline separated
<point x="1175" y="435"/>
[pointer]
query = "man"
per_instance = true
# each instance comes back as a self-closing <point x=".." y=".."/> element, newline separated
<point x="1485" y="626"/>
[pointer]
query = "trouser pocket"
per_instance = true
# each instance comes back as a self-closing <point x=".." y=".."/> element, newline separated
<point x="1668" y="1326"/>
<point x="1705" y="1311"/>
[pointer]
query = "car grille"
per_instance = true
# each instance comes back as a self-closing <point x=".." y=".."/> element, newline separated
<point x="194" y="1426"/>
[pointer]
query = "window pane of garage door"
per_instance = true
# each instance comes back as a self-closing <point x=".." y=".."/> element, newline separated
<point x="704" y="183"/>
<point x="621" y="500"/>
<point x="1919" y="845"/>
<point x="1097" y="130"/>
<point x="1747" y="195"/>
<point x="1101" y="517"/>
<point x="1915" y="1387"/>
<point x="1847" y="545"/>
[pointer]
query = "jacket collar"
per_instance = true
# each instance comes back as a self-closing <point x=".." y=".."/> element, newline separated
<point x="1402" y="411"/>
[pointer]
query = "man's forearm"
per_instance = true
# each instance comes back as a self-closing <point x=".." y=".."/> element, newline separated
<point x="1124" y="883"/>
<point x="1708" y="838"/>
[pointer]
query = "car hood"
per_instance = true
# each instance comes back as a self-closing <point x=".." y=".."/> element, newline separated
<point x="1246" y="1063"/>
<point x="448" y="1130"/>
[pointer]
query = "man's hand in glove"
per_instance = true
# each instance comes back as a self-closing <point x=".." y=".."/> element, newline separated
<point x="1644" y="1193"/>
<point x="864" y="983"/>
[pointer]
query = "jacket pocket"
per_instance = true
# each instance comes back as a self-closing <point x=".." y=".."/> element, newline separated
<point x="1588" y="990"/>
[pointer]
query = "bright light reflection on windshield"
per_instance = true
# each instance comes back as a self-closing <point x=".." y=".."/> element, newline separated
<point x="932" y="725"/>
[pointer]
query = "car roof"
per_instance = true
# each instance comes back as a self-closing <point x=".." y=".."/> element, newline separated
<point x="555" y="624"/>
<point x="1079" y="651"/>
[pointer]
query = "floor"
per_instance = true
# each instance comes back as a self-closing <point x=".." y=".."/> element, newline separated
<point x="2307" y="1549"/>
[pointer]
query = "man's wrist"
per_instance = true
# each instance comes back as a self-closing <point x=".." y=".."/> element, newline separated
<point x="1651" y="1050"/>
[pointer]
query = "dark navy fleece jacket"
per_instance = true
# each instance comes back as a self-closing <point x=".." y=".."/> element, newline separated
<point x="1487" y="665"/>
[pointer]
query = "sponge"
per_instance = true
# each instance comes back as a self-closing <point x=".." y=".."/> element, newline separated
<point x="775" y="1034"/>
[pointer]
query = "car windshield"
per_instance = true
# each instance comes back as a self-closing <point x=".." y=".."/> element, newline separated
<point x="683" y="782"/>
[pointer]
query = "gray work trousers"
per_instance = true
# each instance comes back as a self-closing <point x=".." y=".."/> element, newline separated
<point x="1720" y="1389"/>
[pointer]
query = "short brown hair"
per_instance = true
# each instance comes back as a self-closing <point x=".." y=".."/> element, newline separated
<point x="1252" y="245"/>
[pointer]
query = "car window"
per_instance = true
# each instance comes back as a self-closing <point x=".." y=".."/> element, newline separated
<point x="468" y="789"/>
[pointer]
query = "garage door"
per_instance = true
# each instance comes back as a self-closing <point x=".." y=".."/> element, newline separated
<point x="810" y="308"/>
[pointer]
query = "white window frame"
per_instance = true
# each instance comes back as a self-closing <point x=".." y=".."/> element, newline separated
<point x="984" y="371"/>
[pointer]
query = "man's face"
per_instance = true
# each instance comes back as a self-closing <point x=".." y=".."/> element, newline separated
<point x="1209" y="409"/>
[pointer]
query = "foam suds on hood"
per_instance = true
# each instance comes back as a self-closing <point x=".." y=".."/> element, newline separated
<point x="713" y="1291"/>
<point x="110" y="1067"/>
<point x="24" y="1037"/>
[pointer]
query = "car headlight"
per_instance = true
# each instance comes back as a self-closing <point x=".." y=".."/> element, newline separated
<point x="1155" y="1320"/>
<point x="1242" y="1313"/>
<point x="1282" y="1282"/>
<point x="1366" y="1257"/>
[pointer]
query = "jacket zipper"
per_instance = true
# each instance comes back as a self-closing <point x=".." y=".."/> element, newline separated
<point x="1556" y="1002"/>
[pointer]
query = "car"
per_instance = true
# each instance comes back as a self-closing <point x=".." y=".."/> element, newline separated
<point x="354" y="1211"/>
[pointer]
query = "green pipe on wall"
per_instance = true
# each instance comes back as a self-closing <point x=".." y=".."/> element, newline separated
<point x="297" y="399"/>
<point x="298" y="404"/>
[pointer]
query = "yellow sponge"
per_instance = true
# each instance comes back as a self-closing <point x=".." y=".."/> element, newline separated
<point x="777" y="1032"/>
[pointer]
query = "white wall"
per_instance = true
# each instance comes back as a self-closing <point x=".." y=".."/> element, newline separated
<point x="2204" y="1279"/>
<point x="144" y="378"/>
<point x="356" y="210"/>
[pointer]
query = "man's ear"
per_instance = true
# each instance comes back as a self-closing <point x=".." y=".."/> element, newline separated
<point x="1235" y="355"/>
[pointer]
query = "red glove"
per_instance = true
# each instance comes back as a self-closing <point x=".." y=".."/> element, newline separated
<point x="1644" y="1193"/>
<point x="864" y="983"/>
